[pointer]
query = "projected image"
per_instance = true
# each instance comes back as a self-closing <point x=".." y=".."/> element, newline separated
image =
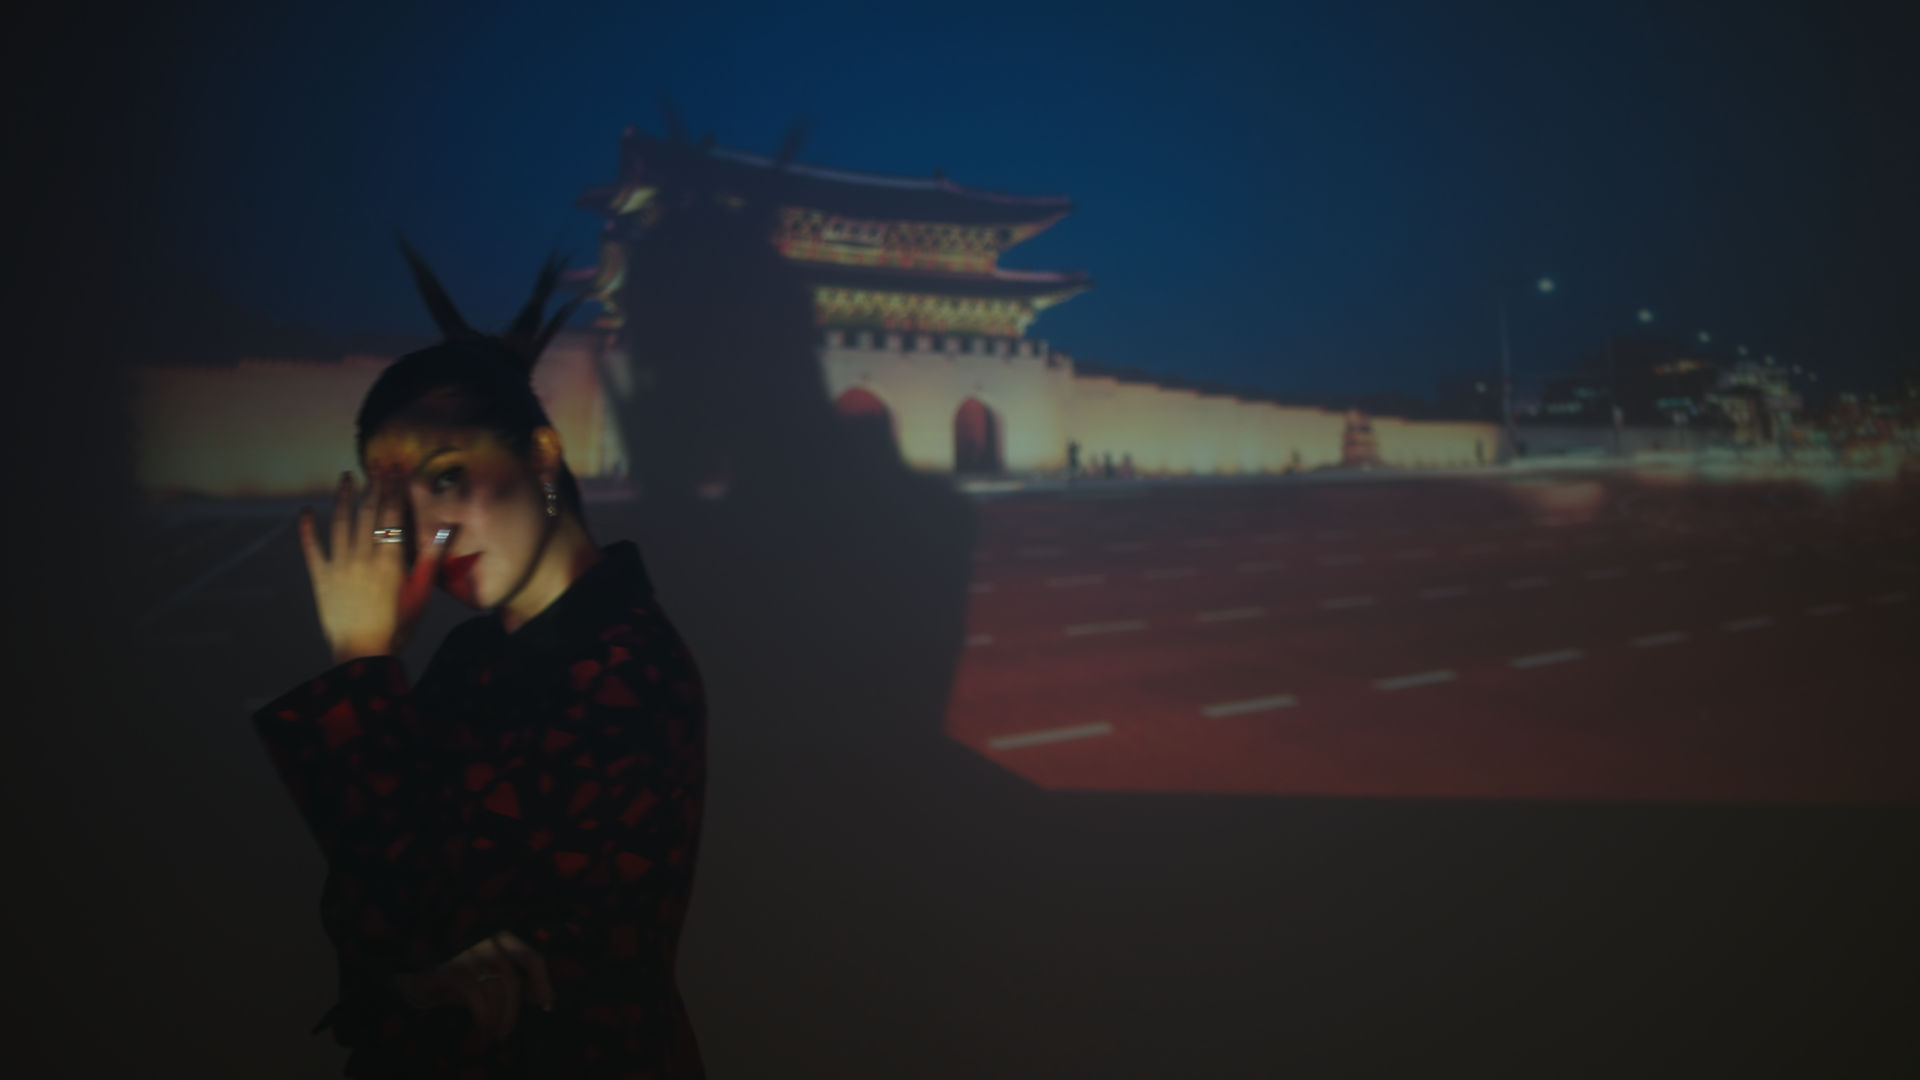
<point x="1670" y="574"/>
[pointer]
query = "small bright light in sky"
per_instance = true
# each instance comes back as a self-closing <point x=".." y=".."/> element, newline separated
<point x="1646" y="315"/>
<point x="1742" y="350"/>
<point x="1705" y="337"/>
<point x="1546" y="285"/>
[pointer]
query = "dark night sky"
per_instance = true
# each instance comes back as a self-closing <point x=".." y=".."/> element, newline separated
<point x="1310" y="200"/>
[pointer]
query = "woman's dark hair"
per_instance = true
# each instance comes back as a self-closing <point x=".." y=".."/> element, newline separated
<point x="489" y="377"/>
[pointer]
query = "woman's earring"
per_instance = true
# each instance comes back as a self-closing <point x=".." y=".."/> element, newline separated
<point x="553" y="500"/>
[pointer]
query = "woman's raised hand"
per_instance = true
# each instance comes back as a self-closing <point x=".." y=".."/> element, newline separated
<point x="369" y="598"/>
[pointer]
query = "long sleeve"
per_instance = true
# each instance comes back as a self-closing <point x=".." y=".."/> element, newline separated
<point x="348" y="747"/>
<point x="574" y="824"/>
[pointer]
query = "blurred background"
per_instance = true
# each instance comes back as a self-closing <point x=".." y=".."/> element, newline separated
<point x="1334" y="540"/>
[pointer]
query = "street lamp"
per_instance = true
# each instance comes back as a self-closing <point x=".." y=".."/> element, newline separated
<point x="1645" y="315"/>
<point x="1544" y="286"/>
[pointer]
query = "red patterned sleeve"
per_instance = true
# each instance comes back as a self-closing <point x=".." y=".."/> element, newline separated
<point x="344" y="745"/>
<point x="347" y="748"/>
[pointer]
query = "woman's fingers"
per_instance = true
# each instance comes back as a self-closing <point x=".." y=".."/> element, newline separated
<point x="480" y="1003"/>
<point x="367" y="517"/>
<point x="310" y="547"/>
<point x="509" y="990"/>
<point x="418" y="587"/>
<point x="503" y="992"/>
<point x="342" y="532"/>
<point x="389" y="512"/>
<point x="532" y="965"/>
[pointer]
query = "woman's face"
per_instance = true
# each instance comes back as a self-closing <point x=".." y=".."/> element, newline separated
<point x="465" y="478"/>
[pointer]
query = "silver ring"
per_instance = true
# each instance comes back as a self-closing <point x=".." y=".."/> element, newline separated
<point x="389" y="536"/>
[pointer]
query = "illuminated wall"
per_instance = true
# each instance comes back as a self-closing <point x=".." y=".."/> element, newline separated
<point x="282" y="427"/>
<point x="1042" y="403"/>
<point x="1412" y="444"/>
<point x="285" y="427"/>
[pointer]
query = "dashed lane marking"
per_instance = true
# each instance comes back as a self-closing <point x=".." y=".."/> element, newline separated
<point x="1407" y="682"/>
<point x="1670" y="637"/>
<point x="1114" y="626"/>
<point x="1341" y="603"/>
<point x="1049" y="735"/>
<point x="1543" y="659"/>
<point x="1252" y="705"/>
<point x="1228" y="614"/>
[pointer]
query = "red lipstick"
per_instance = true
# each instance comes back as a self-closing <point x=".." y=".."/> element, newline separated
<point x="456" y="576"/>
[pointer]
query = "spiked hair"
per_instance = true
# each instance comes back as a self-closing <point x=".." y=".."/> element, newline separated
<point x="489" y="377"/>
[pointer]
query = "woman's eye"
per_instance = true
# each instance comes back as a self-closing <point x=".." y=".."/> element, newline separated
<point x="446" y="478"/>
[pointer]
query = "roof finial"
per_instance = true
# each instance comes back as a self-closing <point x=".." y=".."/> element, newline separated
<point x="676" y="131"/>
<point x="790" y="146"/>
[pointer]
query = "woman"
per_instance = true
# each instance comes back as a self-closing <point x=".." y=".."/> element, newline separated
<point x="510" y="840"/>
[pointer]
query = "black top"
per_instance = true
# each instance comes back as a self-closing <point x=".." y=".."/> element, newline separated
<point x="547" y="782"/>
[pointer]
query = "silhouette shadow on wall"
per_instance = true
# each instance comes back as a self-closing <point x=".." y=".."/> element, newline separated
<point x="825" y="598"/>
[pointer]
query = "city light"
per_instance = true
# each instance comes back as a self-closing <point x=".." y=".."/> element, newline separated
<point x="1545" y="285"/>
<point x="1705" y="337"/>
<point x="1645" y="315"/>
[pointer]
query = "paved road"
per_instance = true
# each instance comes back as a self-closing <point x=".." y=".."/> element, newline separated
<point x="1560" y="639"/>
